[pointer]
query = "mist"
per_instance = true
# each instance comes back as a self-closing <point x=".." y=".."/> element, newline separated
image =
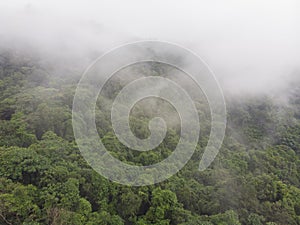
<point x="253" y="47"/>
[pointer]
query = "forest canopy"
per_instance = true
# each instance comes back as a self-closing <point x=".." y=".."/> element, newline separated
<point x="254" y="180"/>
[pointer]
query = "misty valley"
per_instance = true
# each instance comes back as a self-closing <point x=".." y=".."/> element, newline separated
<point x="44" y="179"/>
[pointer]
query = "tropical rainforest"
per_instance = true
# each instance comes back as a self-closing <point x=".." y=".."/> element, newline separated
<point x="254" y="180"/>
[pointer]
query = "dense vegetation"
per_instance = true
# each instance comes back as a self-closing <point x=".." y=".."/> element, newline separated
<point x="44" y="180"/>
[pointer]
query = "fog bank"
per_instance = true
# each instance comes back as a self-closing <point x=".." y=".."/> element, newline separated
<point x="252" y="46"/>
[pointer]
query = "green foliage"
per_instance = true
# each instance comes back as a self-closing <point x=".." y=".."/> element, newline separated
<point x="14" y="132"/>
<point x="254" y="180"/>
<point x="22" y="165"/>
<point x="229" y="217"/>
<point x="18" y="202"/>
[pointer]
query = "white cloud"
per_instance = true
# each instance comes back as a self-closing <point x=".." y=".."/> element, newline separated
<point x="249" y="44"/>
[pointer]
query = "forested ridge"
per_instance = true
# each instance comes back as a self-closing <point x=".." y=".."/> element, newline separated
<point x="254" y="180"/>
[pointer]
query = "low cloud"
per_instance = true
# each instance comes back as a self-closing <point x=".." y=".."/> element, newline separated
<point x="252" y="46"/>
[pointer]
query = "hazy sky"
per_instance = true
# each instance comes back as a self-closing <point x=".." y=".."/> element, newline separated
<point x="250" y="44"/>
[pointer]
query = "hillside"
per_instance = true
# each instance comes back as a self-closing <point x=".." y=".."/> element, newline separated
<point x="254" y="180"/>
